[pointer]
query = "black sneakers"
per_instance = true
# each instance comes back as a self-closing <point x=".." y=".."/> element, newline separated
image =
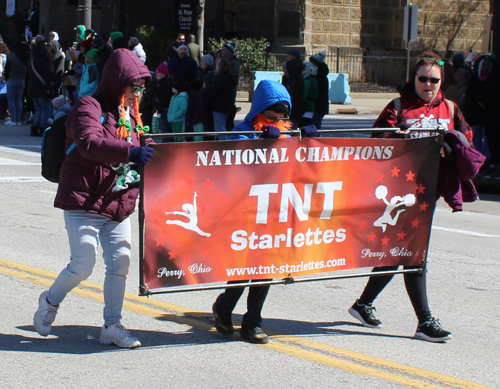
<point x="364" y="313"/>
<point x="223" y="322"/>
<point x="254" y="335"/>
<point x="432" y="331"/>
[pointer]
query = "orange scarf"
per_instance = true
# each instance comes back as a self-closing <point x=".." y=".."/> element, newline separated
<point x="260" y="121"/>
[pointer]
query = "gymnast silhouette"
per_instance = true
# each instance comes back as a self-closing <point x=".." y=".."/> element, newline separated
<point x="397" y="201"/>
<point x="190" y="211"/>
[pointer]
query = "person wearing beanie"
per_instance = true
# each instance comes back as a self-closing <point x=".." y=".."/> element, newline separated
<point x="322" y="106"/>
<point x="121" y="43"/>
<point x="310" y="93"/>
<point x="89" y="33"/>
<point x="86" y="45"/>
<point x="103" y="51"/>
<point x="172" y="49"/>
<point x="295" y="86"/>
<point x="90" y="75"/>
<point x="16" y="70"/>
<point x="58" y="102"/>
<point x="53" y="36"/>
<point x="136" y="47"/>
<point x="290" y="54"/>
<point x="182" y="66"/>
<point x="98" y="42"/>
<point x="194" y="49"/>
<point x="40" y="40"/>
<point x="208" y="60"/>
<point x="80" y="33"/>
<point x="464" y="76"/>
<point x="33" y="20"/>
<point x="206" y="72"/>
<point x="113" y="36"/>
<point x="163" y="95"/>
<point x="178" y="108"/>
<point x="163" y="69"/>
<point x="57" y="62"/>
<point x="60" y="107"/>
<point x="198" y="109"/>
<point x="222" y="96"/>
<point x="269" y="113"/>
<point x="228" y="51"/>
<point x="147" y="103"/>
<point x="37" y="87"/>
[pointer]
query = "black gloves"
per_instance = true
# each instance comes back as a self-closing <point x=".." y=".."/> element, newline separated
<point x="140" y="155"/>
<point x="447" y="152"/>
<point x="271" y="132"/>
<point x="309" y="131"/>
<point x="400" y="135"/>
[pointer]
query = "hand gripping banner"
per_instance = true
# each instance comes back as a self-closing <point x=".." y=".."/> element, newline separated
<point x="264" y="209"/>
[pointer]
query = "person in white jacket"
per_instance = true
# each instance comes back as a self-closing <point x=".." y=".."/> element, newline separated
<point x="137" y="48"/>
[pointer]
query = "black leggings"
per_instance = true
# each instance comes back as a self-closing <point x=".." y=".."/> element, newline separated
<point x="416" y="287"/>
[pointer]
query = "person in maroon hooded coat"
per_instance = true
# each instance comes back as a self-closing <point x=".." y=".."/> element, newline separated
<point x="98" y="188"/>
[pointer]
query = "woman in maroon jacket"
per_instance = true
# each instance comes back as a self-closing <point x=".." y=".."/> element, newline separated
<point x="98" y="189"/>
<point x="421" y="105"/>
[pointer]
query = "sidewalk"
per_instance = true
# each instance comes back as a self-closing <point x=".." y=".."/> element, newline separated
<point x="361" y="103"/>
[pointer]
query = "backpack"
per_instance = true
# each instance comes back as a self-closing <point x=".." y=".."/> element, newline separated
<point x="54" y="149"/>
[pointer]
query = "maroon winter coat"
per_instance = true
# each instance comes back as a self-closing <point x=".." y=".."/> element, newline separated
<point x="455" y="176"/>
<point x="86" y="178"/>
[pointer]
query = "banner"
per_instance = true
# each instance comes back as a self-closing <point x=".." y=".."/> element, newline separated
<point x="263" y="209"/>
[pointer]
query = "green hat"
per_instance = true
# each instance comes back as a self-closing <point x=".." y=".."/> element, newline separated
<point x="89" y="33"/>
<point x="80" y="30"/>
<point x="114" y="35"/>
<point x="92" y="54"/>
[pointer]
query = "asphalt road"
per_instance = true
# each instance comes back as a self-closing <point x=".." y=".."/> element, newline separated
<point x="315" y="342"/>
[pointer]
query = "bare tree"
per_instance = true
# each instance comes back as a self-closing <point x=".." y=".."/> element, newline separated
<point x="451" y="22"/>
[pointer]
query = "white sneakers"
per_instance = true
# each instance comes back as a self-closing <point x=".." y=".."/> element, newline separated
<point x="45" y="315"/>
<point x="11" y="123"/>
<point x="118" y="335"/>
<point x="113" y="334"/>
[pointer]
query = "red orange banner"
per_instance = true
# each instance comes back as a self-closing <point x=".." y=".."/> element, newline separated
<point x="261" y="209"/>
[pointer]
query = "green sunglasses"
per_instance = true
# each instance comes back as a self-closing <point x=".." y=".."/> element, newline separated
<point x="275" y="119"/>
<point x="136" y="88"/>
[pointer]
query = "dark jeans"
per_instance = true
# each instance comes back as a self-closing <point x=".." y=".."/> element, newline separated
<point x="230" y="119"/>
<point x="317" y="120"/>
<point x="416" y="286"/>
<point x="256" y="296"/>
<point x="3" y="106"/>
<point x="165" y="125"/>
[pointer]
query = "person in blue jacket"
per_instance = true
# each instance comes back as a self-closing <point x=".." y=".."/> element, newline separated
<point x="178" y="108"/>
<point x="271" y="105"/>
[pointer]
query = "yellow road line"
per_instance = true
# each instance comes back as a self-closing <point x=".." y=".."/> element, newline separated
<point x="143" y="306"/>
<point x="348" y="366"/>
<point x="415" y="371"/>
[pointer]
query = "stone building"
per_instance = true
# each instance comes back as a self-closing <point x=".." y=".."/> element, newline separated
<point x="445" y="25"/>
<point x="355" y="34"/>
<point x="311" y="25"/>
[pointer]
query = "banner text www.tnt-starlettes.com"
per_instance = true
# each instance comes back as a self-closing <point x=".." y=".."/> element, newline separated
<point x="219" y="211"/>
